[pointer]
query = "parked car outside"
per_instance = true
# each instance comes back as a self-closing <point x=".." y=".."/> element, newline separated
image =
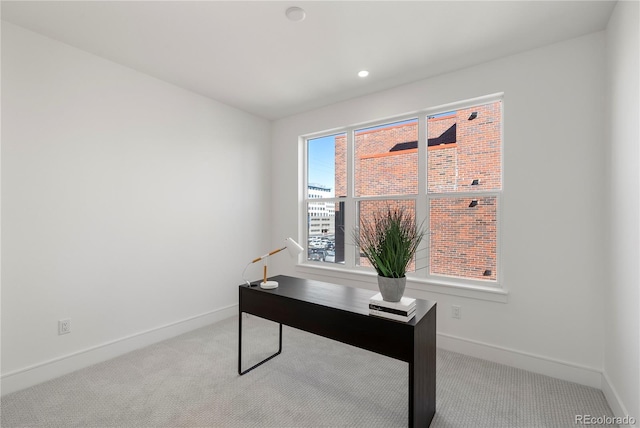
<point x="316" y="255"/>
<point x="330" y="257"/>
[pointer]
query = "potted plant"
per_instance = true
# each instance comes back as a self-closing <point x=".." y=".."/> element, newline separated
<point x="389" y="240"/>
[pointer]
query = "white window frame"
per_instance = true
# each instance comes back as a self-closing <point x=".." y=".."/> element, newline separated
<point x="421" y="279"/>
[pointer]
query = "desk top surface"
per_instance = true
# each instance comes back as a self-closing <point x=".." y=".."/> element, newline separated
<point x="333" y="295"/>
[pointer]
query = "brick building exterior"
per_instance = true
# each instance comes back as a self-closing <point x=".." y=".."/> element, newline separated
<point x="464" y="155"/>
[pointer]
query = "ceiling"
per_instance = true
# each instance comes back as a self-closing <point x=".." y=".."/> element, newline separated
<point x="250" y="56"/>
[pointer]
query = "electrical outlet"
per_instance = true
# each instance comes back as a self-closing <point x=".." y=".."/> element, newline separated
<point x="64" y="327"/>
<point x="456" y="311"/>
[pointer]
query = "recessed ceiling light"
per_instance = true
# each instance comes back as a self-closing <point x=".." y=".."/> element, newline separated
<point x="363" y="73"/>
<point x="295" y="14"/>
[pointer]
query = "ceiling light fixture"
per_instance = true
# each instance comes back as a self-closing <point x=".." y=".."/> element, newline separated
<point x="363" y="73"/>
<point x="295" y="14"/>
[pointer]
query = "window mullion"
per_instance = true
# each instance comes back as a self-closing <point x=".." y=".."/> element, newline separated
<point x="422" y="213"/>
<point x="349" y="206"/>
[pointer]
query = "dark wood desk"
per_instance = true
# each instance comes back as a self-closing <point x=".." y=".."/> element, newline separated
<point x="342" y="313"/>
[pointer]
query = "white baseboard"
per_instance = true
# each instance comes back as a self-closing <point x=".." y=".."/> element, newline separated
<point x="33" y="375"/>
<point x="583" y="375"/>
<point x="615" y="402"/>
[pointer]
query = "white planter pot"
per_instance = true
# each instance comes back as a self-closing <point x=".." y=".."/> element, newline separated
<point x="391" y="289"/>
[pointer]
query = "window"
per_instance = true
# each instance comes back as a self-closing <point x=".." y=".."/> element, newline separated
<point x="442" y="165"/>
<point x="326" y="178"/>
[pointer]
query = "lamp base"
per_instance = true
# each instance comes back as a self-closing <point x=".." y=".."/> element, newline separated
<point x="269" y="284"/>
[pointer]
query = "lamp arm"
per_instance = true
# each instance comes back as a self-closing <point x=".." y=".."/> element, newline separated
<point x="294" y="249"/>
<point x="257" y="260"/>
<point x="268" y="255"/>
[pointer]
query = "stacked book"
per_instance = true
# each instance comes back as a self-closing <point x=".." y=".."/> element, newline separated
<point x="403" y="310"/>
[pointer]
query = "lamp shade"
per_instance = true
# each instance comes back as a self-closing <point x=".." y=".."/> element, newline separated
<point x="293" y="247"/>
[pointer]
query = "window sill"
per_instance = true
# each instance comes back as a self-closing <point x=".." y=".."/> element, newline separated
<point x="451" y="288"/>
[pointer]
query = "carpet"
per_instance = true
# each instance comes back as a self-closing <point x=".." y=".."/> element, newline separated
<point x="192" y="381"/>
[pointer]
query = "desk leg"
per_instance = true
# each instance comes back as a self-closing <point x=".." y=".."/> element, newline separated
<point x="422" y="374"/>
<point x="240" y="372"/>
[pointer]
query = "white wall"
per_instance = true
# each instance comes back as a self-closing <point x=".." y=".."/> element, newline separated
<point x="553" y="207"/>
<point x="622" y="316"/>
<point x="129" y="206"/>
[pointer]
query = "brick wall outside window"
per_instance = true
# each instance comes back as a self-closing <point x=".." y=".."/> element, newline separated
<point x="479" y="148"/>
<point x="379" y="170"/>
<point x="462" y="239"/>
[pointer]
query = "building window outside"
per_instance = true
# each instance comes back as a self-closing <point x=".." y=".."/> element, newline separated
<point x="443" y="165"/>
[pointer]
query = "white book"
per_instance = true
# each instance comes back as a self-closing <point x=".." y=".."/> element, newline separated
<point x="390" y="316"/>
<point x="403" y="312"/>
<point x="404" y="304"/>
